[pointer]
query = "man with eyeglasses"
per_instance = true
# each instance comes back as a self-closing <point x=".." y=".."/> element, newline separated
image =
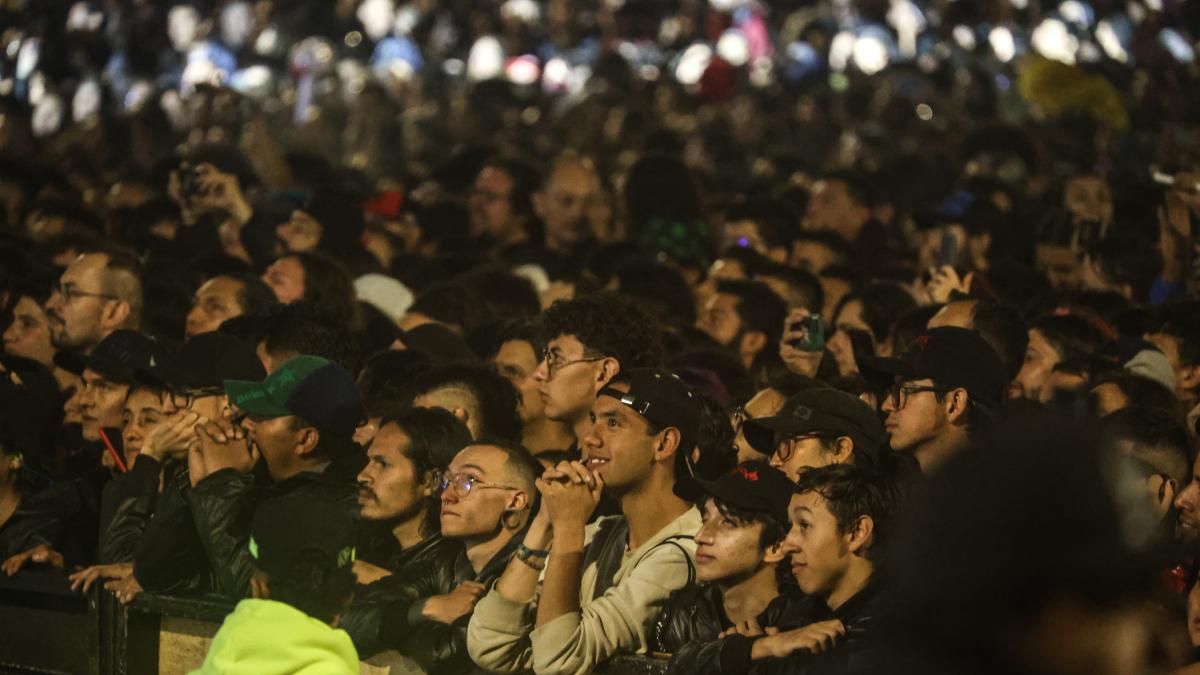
<point x="603" y="583"/>
<point x="815" y="428"/>
<point x="97" y="294"/>
<point x="591" y="339"/>
<point x="487" y="494"/>
<point x="943" y="388"/>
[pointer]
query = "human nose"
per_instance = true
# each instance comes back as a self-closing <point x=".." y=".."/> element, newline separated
<point x="705" y="535"/>
<point x="542" y="372"/>
<point x="790" y="544"/>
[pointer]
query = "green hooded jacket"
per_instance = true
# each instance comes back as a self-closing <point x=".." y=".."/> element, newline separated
<point x="264" y="637"/>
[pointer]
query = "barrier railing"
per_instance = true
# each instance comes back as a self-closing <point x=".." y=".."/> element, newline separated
<point x="47" y="629"/>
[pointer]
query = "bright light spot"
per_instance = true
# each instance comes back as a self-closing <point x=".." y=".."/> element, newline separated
<point x="406" y="20"/>
<point x="1077" y="13"/>
<point x="353" y="39"/>
<point x="649" y="72"/>
<point x="525" y="11"/>
<point x="47" y="116"/>
<point x="1110" y="42"/>
<point x="1154" y="5"/>
<point x="762" y="72"/>
<point x="556" y="76"/>
<point x="924" y="112"/>
<point x="254" y="77"/>
<point x="267" y="41"/>
<point x="965" y="37"/>
<point x="486" y="59"/>
<point x="1002" y="43"/>
<point x="692" y="64"/>
<point x="870" y="55"/>
<point x="726" y="5"/>
<point x="376" y="16"/>
<point x="37" y="88"/>
<point x="1052" y="40"/>
<point x="908" y="21"/>
<point x="627" y="50"/>
<point x="840" y="50"/>
<point x="237" y="22"/>
<point x="454" y="67"/>
<point x="28" y="56"/>
<point x="733" y="47"/>
<point x="523" y="69"/>
<point x="1020" y="5"/>
<point x="1175" y="43"/>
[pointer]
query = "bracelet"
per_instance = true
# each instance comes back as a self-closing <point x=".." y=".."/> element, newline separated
<point x="537" y="566"/>
<point x="525" y="553"/>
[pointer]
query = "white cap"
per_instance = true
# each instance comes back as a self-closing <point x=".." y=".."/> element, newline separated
<point x="385" y="294"/>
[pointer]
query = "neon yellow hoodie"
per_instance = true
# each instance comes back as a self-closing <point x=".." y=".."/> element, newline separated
<point x="264" y="637"/>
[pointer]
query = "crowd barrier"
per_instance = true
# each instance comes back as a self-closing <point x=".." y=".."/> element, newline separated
<point x="47" y="629"/>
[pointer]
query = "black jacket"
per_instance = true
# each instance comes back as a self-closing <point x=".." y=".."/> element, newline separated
<point x="861" y="650"/>
<point x="169" y="558"/>
<point x="127" y="503"/>
<point x="693" y="618"/>
<point x="438" y="648"/>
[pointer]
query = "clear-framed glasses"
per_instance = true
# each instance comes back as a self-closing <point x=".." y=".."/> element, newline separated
<point x="785" y="445"/>
<point x="899" y="394"/>
<point x="555" y="363"/>
<point x="463" y="484"/>
<point x="70" y="293"/>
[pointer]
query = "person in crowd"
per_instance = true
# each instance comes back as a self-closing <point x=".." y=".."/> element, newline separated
<point x="566" y="204"/>
<point x="99" y="293"/>
<point x="766" y="402"/>
<point x="502" y="203"/>
<point x="1157" y="444"/>
<point x="589" y="341"/>
<point x="746" y="317"/>
<point x="943" y="389"/>
<point x="300" y="584"/>
<point x="479" y="397"/>
<point x="315" y="278"/>
<point x="488" y="495"/>
<point x="1177" y="335"/>
<point x="1001" y="325"/>
<point x="519" y="351"/>
<point x="305" y="329"/>
<point x="818" y="427"/>
<point x="1120" y="389"/>
<point x="224" y="297"/>
<point x="738" y="551"/>
<point x="1055" y="339"/>
<point x="601" y="585"/>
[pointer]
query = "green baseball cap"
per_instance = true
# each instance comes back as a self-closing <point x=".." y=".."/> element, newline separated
<point x="314" y="389"/>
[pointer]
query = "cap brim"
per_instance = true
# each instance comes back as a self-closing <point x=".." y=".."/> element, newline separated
<point x="760" y="433"/>
<point x="885" y="369"/>
<point x="694" y="490"/>
<point x="253" y="399"/>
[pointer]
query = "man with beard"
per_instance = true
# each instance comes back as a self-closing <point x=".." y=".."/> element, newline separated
<point x="98" y="293"/>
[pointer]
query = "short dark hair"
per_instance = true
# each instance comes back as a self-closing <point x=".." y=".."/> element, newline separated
<point x="435" y="436"/>
<point x="660" y="287"/>
<point x="1158" y="439"/>
<point x="506" y="294"/>
<point x="526" y="178"/>
<point x="255" y="296"/>
<point x="1002" y="327"/>
<point x="1140" y="390"/>
<point x="1073" y="336"/>
<point x="528" y="330"/>
<point x="759" y="308"/>
<point x="1181" y="320"/>
<point x="1128" y="260"/>
<point x="304" y="328"/>
<point x="522" y="463"/>
<point x="496" y="398"/>
<point x="850" y="493"/>
<point x="314" y="584"/>
<point x="805" y="284"/>
<point x="327" y="283"/>
<point x="773" y="531"/>
<point x="776" y="219"/>
<point x="453" y="303"/>
<point x="386" y="380"/>
<point x="718" y="454"/>
<point x="609" y="324"/>
<point x="827" y="238"/>
<point x="883" y="303"/>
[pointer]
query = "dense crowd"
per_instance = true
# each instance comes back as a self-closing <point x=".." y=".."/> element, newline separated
<point x="787" y="337"/>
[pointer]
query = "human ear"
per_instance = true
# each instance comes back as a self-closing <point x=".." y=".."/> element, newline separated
<point x="308" y="440"/>
<point x="668" y="444"/>
<point x="609" y="367"/>
<point x="774" y="553"/>
<point x="116" y="312"/>
<point x="956" y="404"/>
<point x="843" y="451"/>
<point x="861" y="534"/>
<point x="1189" y="377"/>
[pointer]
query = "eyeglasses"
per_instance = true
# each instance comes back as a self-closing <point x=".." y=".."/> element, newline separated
<point x="785" y="446"/>
<point x="184" y="398"/>
<point x="555" y="363"/>
<point x="899" y="393"/>
<point x="464" y="484"/>
<point x="70" y="293"/>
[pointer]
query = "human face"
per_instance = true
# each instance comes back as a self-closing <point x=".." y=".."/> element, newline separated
<point x="1040" y="359"/>
<point x="565" y="202"/>
<point x="720" y="319"/>
<point x="77" y="318"/>
<point x="830" y="207"/>
<point x="1108" y="398"/>
<point x="813" y="256"/>
<point x="796" y="454"/>
<point x="1169" y="346"/>
<point x="919" y="418"/>
<point x="516" y="361"/>
<point x="300" y="234"/>
<point x="479" y="514"/>
<point x="277" y="441"/>
<point x="960" y="314"/>
<point x="215" y="301"/>
<point x="100" y="404"/>
<point x="567" y="393"/>
<point x="389" y="487"/>
<point x="727" y="549"/>
<point x="1088" y="198"/>
<point x="1187" y="507"/>
<point x="210" y="407"/>
<point x="819" y="550"/>
<point x="491" y="211"/>
<point x="763" y="404"/>
<point x="29" y="333"/>
<point x="851" y="318"/>
<point x="286" y="277"/>
<point x="142" y="413"/>
<point x="619" y="446"/>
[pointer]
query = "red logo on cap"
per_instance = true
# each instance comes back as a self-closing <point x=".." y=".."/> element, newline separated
<point x="748" y="474"/>
<point x="923" y="342"/>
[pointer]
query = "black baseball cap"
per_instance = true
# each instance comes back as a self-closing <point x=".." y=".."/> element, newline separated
<point x="664" y="400"/>
<point x="286" y="526"/>
<point x="951" y="357"/>
<point x="819" y="410"/>
<point x="206" y="361"/>
<point x="314" y="389"/>
<point x="117" y="357"/>
<point x="751" y="486"/>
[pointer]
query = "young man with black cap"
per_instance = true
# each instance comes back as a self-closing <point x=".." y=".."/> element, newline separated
<point x="942" y="389"/>
<point x="738" y="548"/>
<point x="605" y="582"/>
<point x="818" y="427"/>
<point x="302" y="556"/>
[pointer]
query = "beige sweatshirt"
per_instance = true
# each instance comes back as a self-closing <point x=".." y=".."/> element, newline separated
<point x="501" y="636"/>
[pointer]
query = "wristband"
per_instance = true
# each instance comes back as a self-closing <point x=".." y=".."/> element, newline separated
<point x="535" y="565"/>
<point x="524" y="553"/>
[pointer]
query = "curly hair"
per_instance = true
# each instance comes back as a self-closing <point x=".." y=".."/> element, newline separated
<point x="611" y="325"/>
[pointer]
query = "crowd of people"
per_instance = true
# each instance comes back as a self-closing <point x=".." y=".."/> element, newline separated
<point x="788" y="337"/>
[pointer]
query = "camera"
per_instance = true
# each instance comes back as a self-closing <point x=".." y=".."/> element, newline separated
<point x="813" y="328"/>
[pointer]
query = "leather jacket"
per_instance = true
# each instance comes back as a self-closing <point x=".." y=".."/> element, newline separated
<point x="693" y="618"/>
<point x="127" y="503"/>
<point x="861" y="650"/>
<point x="390" y="613"/>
